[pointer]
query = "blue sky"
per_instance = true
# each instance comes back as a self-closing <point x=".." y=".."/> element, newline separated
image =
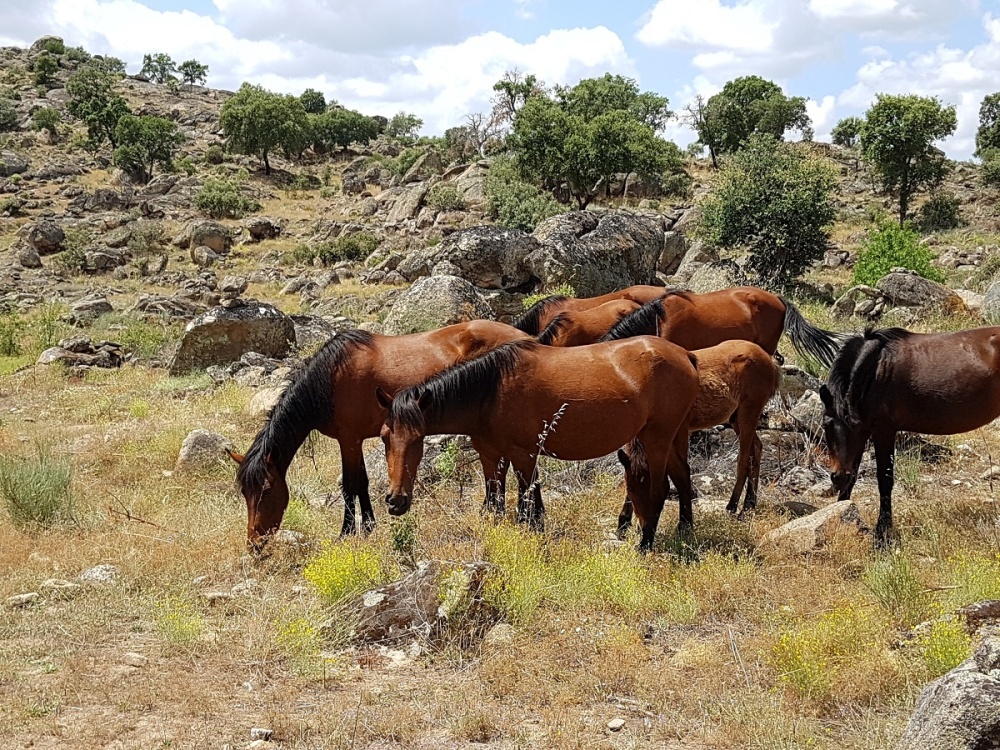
<point x="439" y="58"/>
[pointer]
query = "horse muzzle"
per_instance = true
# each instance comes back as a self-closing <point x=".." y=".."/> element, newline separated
<point x="398" y="504"/>
<point x="842" y="481"/>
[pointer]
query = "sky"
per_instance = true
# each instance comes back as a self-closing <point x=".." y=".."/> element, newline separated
<point x="440" y="58"/>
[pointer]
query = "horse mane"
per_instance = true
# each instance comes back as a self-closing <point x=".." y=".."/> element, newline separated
<point x="306" y="404"/>
<point x="471" y="384"/>
<point x="532" y="317"/>
<point x="854" y="373"/>
<point x="640" y="322"/>
<point x="559" y="324"/>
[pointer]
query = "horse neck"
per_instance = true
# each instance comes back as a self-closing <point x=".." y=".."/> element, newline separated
<point x="447" y="421"/>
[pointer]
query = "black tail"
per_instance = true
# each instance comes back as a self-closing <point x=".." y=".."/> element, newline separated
<point x="533" y="315"/>
<point x="808" y="339"/>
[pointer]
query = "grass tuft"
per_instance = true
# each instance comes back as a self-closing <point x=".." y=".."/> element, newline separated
<point x="37" y="491"/>
<point x="346" y="569"/>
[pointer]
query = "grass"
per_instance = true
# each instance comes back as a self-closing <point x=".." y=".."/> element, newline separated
<point x="37" y="492"/>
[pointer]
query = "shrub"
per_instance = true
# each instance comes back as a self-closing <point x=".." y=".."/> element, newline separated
<point x="894" y="585"/>
<point x="891" y="246"/>
<point x="989" y="173"/>
<point x="357" y="246"/>
<point x="47" y="119"/>
<point x="940" y="211"/>
<point x="513" y="203"/>
<point x="444" y="197"/>
<point x="221" y="198"/>
<point x="8" y="115"/>
<point x="77" y="54"/>
<point x="944" y="646"/>
<point x="562" y="290"/>
<point x="677" y="185"/>
<point x="186" y="165"/>
<point x="36" y="491"/>
<point x="73" y="258"/>
<point x="11" y="327"/>
<point x="45" y="66"/>
<point x="54" y="46"/>
<point x="407" y="159"/>
<point x="11" y="206"/>
<point x="340" y="571"/>
<point x="147" y="238"/>
<point x="214" y="154"/>
<point x="178" y="621"/>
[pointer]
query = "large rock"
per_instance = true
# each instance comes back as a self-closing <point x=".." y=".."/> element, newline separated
<point x="675" y="247"/>
<point x="202" y="450"/>
<point x="596" y="253"/>
<point x="262" y="228"/>
<point x="907" y="289"/>
<point x="713" y="277"/>
<point x="809" y="532"/>
<point x="433" y="302"/>
<point x="991" y="304"/>
<point x="961" y="709"/>
<point x="697" y="256"/>
<point x="471" y="185"/>
<point x="12" y="163"/>
<point x="427" y="164"/>
<point x="221" y="336"/>
<point x="407" y="202"/>
<point x="487" y="257"/>
<point x="46" y="237"/>
<point x="861" y="301"/>
<point x="208" y="233"/>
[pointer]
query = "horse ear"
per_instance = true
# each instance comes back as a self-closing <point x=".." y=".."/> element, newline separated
<point x="624" y="459"/>
<point x="237" y="457"/>
<point x="424" y="399"/>
<point x="383" y="398"/>
<point x="825" y="396"/>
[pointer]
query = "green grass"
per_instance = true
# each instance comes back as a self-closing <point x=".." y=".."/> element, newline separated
<point x="37" y="492"/>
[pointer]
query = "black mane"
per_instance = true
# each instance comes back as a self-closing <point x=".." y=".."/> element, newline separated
<point x="529" y="321"/>
<point x="854" y="373"/>
<point x="306" y="404"/>
<point x="472" y="384"/>
<point x="557" y="326"/>
<point x="641" y="322"/>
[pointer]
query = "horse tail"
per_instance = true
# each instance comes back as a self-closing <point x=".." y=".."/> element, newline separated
<point x="307" y="404"/>
<point x="808" y="339"/>
<point x="530" y="321"/>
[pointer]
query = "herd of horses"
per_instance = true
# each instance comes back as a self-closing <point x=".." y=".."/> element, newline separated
<point x="634" y="371"/>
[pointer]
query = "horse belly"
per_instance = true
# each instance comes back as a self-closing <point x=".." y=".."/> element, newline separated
<point x="932" y="412"/>
<point x="587" y="429"/>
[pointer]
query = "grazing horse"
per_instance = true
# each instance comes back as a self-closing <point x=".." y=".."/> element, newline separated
<point x="540" y="314"/>
<point x="334" y="394"/>
<point x="524" y="399"/>
<point x="579" y="327"/>
<point x="698" y="321"/>
<point x="891" y="380"/>
<point x="736" y="379"/>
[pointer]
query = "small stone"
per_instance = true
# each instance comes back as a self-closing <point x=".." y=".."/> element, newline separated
<point x="60" y="588"/>
<point x="616" y="725"/>
<point x="103" y="573"/>
<point x="20" y="601"/>
<point x="501" y="634"/>
<point x="258" y="733"/>
<point x="245" y="588"/>
<point x="134" y="660"/>
<point x="216" y="597"/>
<point x="991" y="473"/>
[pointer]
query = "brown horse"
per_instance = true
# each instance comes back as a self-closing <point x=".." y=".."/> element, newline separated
<point x="334" y="394"/>
<point x="540" y="314"/>
<point x="523" y="399"/>
<point x="579" y="327"/>
<point x="698" y="321"/>
<point x="736" y="379"/>
<point x="892" y="380"/>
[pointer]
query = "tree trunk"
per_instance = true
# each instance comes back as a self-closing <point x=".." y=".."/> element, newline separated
<point x="715" y="160"/>
<point x="904" y="193"/>
<point x="267" y="164"/>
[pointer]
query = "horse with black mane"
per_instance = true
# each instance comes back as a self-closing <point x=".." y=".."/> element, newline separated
<point x="891" y="380"/>
<point x="581" y="327"/>
<point x="523" y="399"/>
<point x="698" y="321"/>
<point x="334" y="394"/>
<point x="540" y="314"/>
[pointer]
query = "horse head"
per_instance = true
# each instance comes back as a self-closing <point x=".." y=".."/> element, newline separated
<point x="845" y="443"/>
<point x="403" y="437"/>
<point x="266" y="498"/>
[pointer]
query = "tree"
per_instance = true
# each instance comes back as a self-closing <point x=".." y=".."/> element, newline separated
<point x="159" y="68"/>
<point x="8" y="115"/>
<point x="847" y="132"/>
<point x="746" y="106"/>
<point x="94" y="101"/>
<point x="193" y="72"/>
<point x="339" y="128"/>
<point x="592" y="97"/>
<point x="257" y="121"/>
<point x="512" y="92"/>
<point x="144" y="142"/>
<point x="45" y="66"/>
<point x="776" y="201"/>
<point x="46" y="119"/>
<point x="557" y="146"/>
<point x="988" y="134"/>
<point x="108" y="64"/>
<point x="404" y="125"/>
<point x="313" y="101"/>
<point x="897" y="142"/>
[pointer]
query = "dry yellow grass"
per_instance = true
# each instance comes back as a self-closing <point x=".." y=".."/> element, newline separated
<point x="686" y="648"/>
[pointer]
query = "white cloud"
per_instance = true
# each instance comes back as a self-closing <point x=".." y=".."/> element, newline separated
<point x="851" y="8"/>
<point x="707" y="24"/>
<point x="821" y="114"/>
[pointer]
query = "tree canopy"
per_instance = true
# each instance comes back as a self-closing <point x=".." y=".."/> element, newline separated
<point x="193" y="72"/>
<point x="144" y="142"/>
<point x="339" y="127"/>
<point x="159" y="67"/>
<point x="776" y="201"/>
<point x="592" y="97"/>
<point x="313" y="101"/>
<point x="897" y="141"/>
<point x="403" y="125"/>
<point x="94" y="101"/>
<point x="257" y="121"/>
<point x="847" y="132"/>
<point x="988" y="134"/>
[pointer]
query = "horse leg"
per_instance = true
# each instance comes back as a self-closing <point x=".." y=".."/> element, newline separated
<point x="352" y="468"/>
<point x="748" y="463"/>
<point x="750" y="503"/>
<point x="495" y="476"/>
<point x="624" y="519"/>
<point x="365" y="500"/>
<point x="885" y="448"/>
<point x="649" y="516"/>
<point x="679" y="470"/>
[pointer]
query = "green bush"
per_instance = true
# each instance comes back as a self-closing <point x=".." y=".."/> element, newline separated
<point x="677" y="185"/>
<point x="344" y="570"/>
<point x="214" y="154"/>
<point x="72" y="259"/>
<point x="186" y="165"/>
<point x="11" y="327"/>
<point x="356" y="246"/>
<point x="77" y="54"/>
<point x="36" y="491"/>
<point x="407" y="159"/>
<point x="147" y="238"/>
<point x="8" y="115"/>
<point x="891" y="246"/>
<point x="55" y="46"/>
<point x="45" y="66"/>
<point x="444" y="197"/>
<point x="513" y="203"/>
<point x="220" y="198"/>
<point x="46" y="118"/>
<point x="940" y="212"/>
